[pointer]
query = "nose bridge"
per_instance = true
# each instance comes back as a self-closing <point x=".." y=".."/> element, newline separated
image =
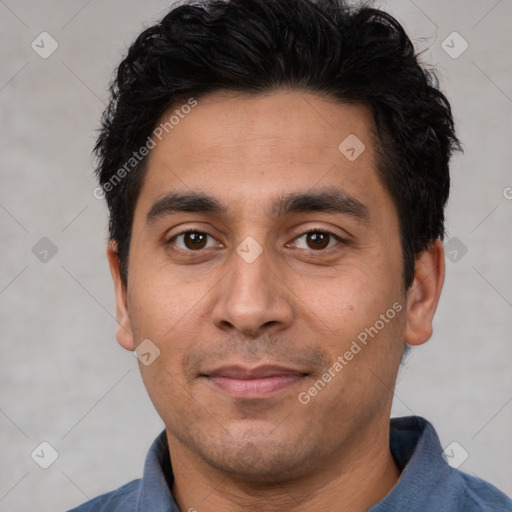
<point x="249" y="297"/>
<point x="248" y="283"/>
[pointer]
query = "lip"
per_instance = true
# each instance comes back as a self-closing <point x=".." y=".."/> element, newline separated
<point x="258" y="382"/>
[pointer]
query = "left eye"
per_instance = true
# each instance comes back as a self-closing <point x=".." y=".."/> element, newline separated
<point x="318" y="240"/>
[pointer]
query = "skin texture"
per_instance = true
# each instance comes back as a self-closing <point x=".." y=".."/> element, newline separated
<point x="295" y="305"/>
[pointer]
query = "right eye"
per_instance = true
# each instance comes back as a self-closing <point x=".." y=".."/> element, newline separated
<point x="192" y="241"/>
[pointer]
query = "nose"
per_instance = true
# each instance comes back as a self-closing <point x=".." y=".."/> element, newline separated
<point x="253" y="298"/>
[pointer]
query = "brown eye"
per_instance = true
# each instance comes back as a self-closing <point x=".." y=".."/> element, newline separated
<point x="192" y="241"/>
<point x="317" y="240"/>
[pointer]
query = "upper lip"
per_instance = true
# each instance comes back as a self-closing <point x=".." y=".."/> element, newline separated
<point x="259" y="372"/>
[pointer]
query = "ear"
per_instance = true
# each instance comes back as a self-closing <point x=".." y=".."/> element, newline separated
<point x="124" y="332"/>
<point x="423" y="295"/>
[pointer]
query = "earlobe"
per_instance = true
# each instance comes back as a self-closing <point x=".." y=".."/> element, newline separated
<point x="423" y="295"/>
<point x="124" y="333"/>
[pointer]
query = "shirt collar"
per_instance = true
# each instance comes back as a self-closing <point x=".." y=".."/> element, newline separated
<point x="417" y="451"/>
<point x="155" y="490"/>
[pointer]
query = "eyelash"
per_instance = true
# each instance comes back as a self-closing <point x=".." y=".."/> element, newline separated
<point x="323" y="231"/>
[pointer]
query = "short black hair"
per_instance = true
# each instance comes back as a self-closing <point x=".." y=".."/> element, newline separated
<point x="352" y="54"/>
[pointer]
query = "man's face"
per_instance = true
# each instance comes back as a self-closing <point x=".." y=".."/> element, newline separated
<point x="249" y="315"/>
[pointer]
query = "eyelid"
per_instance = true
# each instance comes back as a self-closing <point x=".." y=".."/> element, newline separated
<point x="188" y="229"/>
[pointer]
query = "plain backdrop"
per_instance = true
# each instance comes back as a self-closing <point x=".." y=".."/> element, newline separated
<point x="64" y="379"/>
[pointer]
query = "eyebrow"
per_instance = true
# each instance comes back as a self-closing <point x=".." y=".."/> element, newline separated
<point x="330" y="200"/>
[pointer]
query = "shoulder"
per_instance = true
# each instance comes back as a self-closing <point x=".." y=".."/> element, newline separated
<point x="477" y="495"/>
<point x="428" y="482"/>
<point x="123" y="499"/>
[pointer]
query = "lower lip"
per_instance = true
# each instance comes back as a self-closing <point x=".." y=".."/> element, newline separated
<point x="255" y="388"/>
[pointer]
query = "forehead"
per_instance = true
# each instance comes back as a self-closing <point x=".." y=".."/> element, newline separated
<point x="295" y="124"/>
<point x="248" y="150"/>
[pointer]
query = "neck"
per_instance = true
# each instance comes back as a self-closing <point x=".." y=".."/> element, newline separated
<point x="359" y="475"/>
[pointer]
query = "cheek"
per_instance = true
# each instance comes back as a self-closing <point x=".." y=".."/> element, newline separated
<point x="163" y="308"/>
<point x="365" y="320"/>
<point x="349" y="300"/>
<point x="165" y="312"/>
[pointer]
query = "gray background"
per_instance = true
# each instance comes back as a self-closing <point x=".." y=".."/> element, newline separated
<point x="65" y="380"/>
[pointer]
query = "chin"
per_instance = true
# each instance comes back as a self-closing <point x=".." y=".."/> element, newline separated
<point x="257" y="455"/>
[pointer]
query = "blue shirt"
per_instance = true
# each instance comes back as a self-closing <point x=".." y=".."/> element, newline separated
<point x="427" y="483"/>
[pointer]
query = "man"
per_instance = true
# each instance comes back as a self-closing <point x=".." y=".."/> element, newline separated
<point x="276" y="174"/>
